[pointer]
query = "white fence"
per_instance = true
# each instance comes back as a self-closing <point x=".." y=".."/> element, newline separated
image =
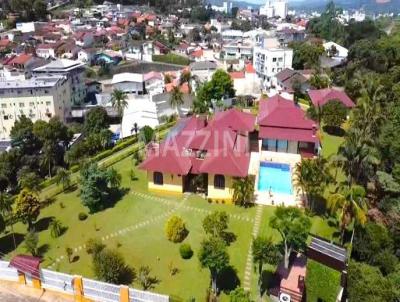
<point x="57" y="281"/>
<point x="100" y="291"/>
<point x="96" y="290"/>
<point x="8" y="273"/>
<point x="142" y="296"/>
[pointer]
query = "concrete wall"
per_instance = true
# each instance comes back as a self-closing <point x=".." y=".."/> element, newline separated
<point x="172" y="183"/>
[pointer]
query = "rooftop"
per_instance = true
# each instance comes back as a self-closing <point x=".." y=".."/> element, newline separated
<point x="35" y="82"/>
<point x="60" y="65"/>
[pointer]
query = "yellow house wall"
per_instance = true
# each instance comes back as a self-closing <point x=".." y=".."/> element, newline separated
<point x="220" y="194"/>
<point x="172" y="183"/>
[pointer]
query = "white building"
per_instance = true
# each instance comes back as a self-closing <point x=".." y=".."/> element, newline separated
<point x="268" y="61"/>
<point x="275" y="8"/>
<point x="39" y="98"/>
<point x="232" y="34"/>
<point x="129" y="82"/>
<point x="73" y="70"/>
<point x="336" y="51"/>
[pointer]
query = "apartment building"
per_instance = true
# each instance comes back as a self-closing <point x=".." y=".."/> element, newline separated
<point x="268" y="61"/>
<point x="39" y="98"/>
<point x="73" y="71"/>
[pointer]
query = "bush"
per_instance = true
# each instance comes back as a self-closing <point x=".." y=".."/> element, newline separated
<point x="82" y="216"/>
<point x="186" y="251"/>
<point x="171" y="59"/>
<point x="94" y="246"/>
<point x="175" y="229"/>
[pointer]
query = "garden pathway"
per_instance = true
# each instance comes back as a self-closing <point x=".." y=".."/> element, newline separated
<point x="249" y="262"/>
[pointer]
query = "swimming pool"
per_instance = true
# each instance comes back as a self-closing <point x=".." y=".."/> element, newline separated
<point x="276" y="177"/>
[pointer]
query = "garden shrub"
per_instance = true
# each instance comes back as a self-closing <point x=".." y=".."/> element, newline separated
<point x="82" y="216"/>
<point x="186" y="251"/>
<point x="175" y="229"/>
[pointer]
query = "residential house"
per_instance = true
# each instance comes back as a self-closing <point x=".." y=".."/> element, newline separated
<point x="86" y="55"/>
<point x="238" y="50"/>
<point x="46" y="51"/>
<point x="285" y="80"/>
<point x="215" y="153"/>
<point x="203" y="70"/>
<point x="284" y="127"/>
<point x="320" y="97"/>
<point x="84" y="39"/>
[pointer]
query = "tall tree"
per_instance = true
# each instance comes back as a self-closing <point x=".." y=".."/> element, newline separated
<point x="351" y="206"/>
<point x="96" y="120"/>
<point x="119" y="102"/>
<point x="27" y="207"/>
<point x="214" y="256"/>
<point x="264" y="251"/>
<point x="243" y="190"/>
<point x="63" y="177"/>
<point x="176" y="98"/>
<point x="293" y="226"/>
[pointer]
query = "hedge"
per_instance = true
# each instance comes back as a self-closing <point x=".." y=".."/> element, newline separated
<point x="171" y="58"/>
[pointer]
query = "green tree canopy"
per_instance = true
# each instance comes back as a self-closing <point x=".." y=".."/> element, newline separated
<point x="96" y="120"/>
<point x="27" y="207"/>
<point x="293" y="226"/>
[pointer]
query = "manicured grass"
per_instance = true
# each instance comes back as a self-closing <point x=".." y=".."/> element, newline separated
<point x="322" y="282"/>
<point x="146" y="244"/>
<point x="330" y="144"/>
<point x="171" y="58"/>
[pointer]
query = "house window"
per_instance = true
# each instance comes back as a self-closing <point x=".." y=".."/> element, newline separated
<point x="21" y="105"/>
<point x="219" y="181"/>
<point x="158" y="178"/>
<point x="273" y="59"/>
<point x="3" y="105"/>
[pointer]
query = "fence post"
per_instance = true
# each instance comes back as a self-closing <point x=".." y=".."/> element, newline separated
<point x="36" y="283"/>
<point x="21" y="278"/>
<point x="78" y="288"/>
<point x="124" y="293"/>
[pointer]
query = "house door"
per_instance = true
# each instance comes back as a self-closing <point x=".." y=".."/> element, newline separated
<point x="28" y="279"/>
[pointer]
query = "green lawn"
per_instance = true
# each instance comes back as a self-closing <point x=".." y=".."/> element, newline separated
<point x="135" y="226"/>
<point x="330" y="144"/>
<point x="322" y="282"/>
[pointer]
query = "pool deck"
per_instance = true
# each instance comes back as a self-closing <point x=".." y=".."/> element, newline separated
<point x="265" y="198"/>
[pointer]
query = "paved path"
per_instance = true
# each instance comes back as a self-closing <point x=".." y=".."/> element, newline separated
<point x="249" y="262"/>
<point x="14" y="292"/>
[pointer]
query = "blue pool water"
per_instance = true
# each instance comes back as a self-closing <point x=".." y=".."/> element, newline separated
<point x="275" y="177"/>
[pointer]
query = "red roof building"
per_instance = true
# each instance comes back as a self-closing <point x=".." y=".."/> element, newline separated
<point x="322" y="96"/>
<point x="284" y="127"/>
<point x="218" y="150"/>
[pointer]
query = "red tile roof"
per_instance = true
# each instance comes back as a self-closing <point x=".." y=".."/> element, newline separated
<point x="322" y="96"/>
<point x="280" y="118"/>
<point x="249" y="68"/>
<point x="21" y="59"/>
<point x="197" y="53"/>
<point x="280" y="112"/>
<point x="26" y="264"/>
<point x="237" y="75"/>
<point x="234" y="119"/>
<point x="224" y="151"/>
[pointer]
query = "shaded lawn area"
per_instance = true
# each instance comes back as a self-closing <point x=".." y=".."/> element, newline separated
<point x="322" y="282"/>
<point x="146" y="244"/>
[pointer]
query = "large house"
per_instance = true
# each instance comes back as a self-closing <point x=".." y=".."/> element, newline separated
<point x="320" y="97"/>
<point x="201" y="155"/>
<point x="284" y="127"/>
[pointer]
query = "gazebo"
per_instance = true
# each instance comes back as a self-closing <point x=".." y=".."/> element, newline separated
<point x="28" y="269"/>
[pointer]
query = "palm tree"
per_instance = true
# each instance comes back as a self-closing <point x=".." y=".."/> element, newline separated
<point x="118" y="101"/>
<point x="176" y="98"/>
<point x="351" y="206"/>
<point x="63" y="177"/>
<point x="243" y="190"/>
<point x="310" y="177"/>
<point x="356" y="156"/>
<point x="186" y="77"/>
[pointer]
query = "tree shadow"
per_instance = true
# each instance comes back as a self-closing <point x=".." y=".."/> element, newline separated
<point x="335" y="131"/>
<point x="228" y="279"/>
<point x="43" y="224"/>
<point x="229" y="237"/>
<point x="75" y="259"/>
<point x="128" y="276"/>
<point x="47" y="201"/>
<point x="43" y="249"/>
<point x="267" y="281"/>
<point x="71" y="188"/>
<point x="7" y="242"/>
<point x="115" y="196"/>
<point x="63" y="230"/>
